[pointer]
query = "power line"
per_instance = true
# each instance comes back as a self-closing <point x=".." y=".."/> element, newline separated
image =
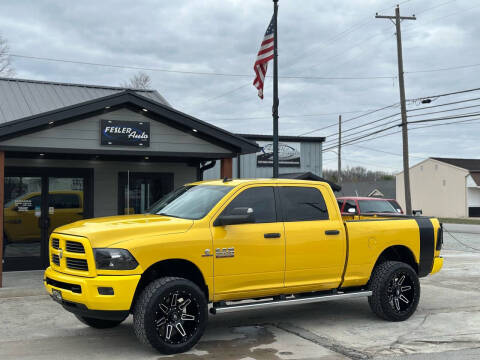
<point x="446" y="104"/>
<point x="200" y="72"/>
<point x="442" y="69"/>
<point x="348" y="120"/>
<point x="444" y="111"/>
<point x="459" y="116"/>
<point x="291" y="116"/>
<point x="434" y="7"/>
<point x="383" y="151"/>
<point x="442" y="95"/>
<point x="368" y="138"/>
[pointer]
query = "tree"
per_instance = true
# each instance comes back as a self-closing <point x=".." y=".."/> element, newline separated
<point x="140" y="80"/>
<point x="5" y="66"/>
<point x="356" y="174"/>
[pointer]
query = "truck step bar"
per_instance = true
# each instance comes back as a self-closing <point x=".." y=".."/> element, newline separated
<point x="223" y="307"/>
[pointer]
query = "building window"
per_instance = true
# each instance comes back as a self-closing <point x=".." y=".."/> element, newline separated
<point x="436" y="166"/>
<point x="421" y="167"/>
<point x="444" y="182"/>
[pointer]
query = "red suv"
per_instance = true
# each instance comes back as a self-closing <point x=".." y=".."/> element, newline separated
<point x="350" y="205"/>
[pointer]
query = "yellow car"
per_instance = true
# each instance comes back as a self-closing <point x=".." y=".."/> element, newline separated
<point x="281" y="241"/>
<point x="21" y="215"/>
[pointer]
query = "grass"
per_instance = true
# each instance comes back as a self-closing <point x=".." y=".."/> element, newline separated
<point x="460" y="221"/>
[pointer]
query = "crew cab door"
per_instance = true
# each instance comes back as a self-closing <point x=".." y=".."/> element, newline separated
<point x="249" y="258"/>
<point x="315" y="238"/>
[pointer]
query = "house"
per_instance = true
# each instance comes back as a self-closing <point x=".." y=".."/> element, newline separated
<point x="380" y="188"/>
<point x="444" y="187"/>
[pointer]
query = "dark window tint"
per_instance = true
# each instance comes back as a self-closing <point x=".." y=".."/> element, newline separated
<point x="303" y="204"/>
<point x="350" y="204"/>
<point x="64" y="201"/>
<point x="260" y="199"/>
<point x="396" y="205"/>
<point x="34" y="202"/>
<point x="340" y="204"/>
<point x="375" y="206"/>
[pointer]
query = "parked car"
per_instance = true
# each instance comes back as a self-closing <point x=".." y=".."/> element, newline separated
<point x="21" y="214"/>
<point x="355" y="205"/>
<point x="269" y="242"/>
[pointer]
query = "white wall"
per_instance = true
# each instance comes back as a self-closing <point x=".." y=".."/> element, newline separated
<point x="106" y="176"/>
<point x="438" y="189"/>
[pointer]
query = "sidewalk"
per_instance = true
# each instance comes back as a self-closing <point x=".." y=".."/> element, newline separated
<point x="22" y="283"/>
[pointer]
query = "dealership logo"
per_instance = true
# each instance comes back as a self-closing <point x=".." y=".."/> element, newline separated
<point x="125" y="133"/>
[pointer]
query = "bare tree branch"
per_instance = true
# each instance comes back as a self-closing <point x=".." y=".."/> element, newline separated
<point x="6" y="68"/>
<point x="140" y="80"/>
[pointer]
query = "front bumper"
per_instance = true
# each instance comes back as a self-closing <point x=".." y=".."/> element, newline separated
<point x="437" y="265"/>
<point x="81" y="293"/>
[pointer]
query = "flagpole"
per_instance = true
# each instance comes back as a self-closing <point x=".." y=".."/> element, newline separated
<point x="275" y="91"/>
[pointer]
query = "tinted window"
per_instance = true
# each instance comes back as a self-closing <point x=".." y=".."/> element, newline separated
<point x="303" y="204"/>
<point x="260" y="199"/>
<point x="34" y="202"/>
<point x="350" y="204"/>
<point x="64" y="201"/>
<point x="375" y="206"/>
<point x="396" y="205"/>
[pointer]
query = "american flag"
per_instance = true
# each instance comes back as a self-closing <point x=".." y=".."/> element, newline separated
<point x="265" y="54"/>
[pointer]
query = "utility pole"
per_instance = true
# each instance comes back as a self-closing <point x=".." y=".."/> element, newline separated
<point x="339" y="176"/>
<point x="275" y="91"/>
<point x="406" y="167"/>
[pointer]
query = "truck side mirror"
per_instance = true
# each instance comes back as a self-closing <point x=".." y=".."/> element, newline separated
<point x="240" y="215"/>
<point x="417" y="212"/>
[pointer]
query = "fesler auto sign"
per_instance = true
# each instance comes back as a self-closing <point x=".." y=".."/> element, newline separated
<point x="288" y="154"/>
<point x="126" y="133"/>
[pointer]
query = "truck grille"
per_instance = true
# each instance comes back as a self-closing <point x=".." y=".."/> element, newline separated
<point x="77" y="264"/>
<point x="55" y="243"/>
<point x="75" y="247"/>
<point x="72" y="254"/>
<point x="55" y="259"/>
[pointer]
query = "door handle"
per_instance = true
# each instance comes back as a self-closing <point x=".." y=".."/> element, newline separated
<point x="271" y="235"/>
<point x="332" y="232"/>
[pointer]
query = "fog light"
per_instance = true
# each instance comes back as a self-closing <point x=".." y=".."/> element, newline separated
<point x="105" y="291"/>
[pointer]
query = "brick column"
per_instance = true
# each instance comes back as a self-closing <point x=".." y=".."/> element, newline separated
<point x="226" y="168"/>
<point x="2" y="198"/>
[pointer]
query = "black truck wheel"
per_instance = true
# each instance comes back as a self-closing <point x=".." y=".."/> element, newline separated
<point x="99" y="323"/>
<point x="396" y="291"/>
<point x="170" y="315"/>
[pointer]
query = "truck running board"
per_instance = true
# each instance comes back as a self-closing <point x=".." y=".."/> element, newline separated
<point x="223" y="307"/>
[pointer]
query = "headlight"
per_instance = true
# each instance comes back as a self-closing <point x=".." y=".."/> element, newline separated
<point x="114" y="259"/>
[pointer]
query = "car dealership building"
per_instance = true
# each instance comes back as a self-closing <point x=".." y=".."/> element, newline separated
<point x="69" y="152"/>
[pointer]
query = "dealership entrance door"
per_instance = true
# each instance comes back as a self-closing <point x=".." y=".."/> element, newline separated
<point x="38" y="200"/>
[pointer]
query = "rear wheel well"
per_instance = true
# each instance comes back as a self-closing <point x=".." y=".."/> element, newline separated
<point x="173" y="267"/>
<point x="398" y="253"/>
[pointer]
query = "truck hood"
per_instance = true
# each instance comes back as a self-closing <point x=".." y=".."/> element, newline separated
<point x="108" y="231"/>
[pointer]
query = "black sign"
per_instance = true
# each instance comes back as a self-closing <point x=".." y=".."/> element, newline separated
<point x="127" y="133"/>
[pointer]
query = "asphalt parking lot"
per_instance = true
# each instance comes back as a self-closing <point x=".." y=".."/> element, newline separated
<point x="445" y="326"/>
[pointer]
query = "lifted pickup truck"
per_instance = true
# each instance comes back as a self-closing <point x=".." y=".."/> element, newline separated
<point x="266" y="242"/>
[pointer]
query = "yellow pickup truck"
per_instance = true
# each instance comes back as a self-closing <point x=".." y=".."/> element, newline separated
<point x="270" y="242"/>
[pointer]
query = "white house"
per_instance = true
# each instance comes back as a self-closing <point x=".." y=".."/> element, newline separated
<point x="444" y="187"/>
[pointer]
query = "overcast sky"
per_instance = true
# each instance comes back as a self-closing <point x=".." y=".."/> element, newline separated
<point x="316" y="39"/>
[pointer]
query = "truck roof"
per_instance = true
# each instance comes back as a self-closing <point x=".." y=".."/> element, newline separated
<point x="236" y="182"/>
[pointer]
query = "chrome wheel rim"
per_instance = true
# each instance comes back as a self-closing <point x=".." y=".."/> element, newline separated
<point x="177" y="317"/>
<point x="401" y="292"/>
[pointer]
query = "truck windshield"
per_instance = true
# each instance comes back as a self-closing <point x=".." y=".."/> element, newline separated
<point x="375" y="206"/>
<point x="190" y="202"/>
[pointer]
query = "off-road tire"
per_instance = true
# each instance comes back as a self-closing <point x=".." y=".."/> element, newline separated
<point x="99" y="323"/>
<point x="390" y="295"/>
<point x="156" y="320"/>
